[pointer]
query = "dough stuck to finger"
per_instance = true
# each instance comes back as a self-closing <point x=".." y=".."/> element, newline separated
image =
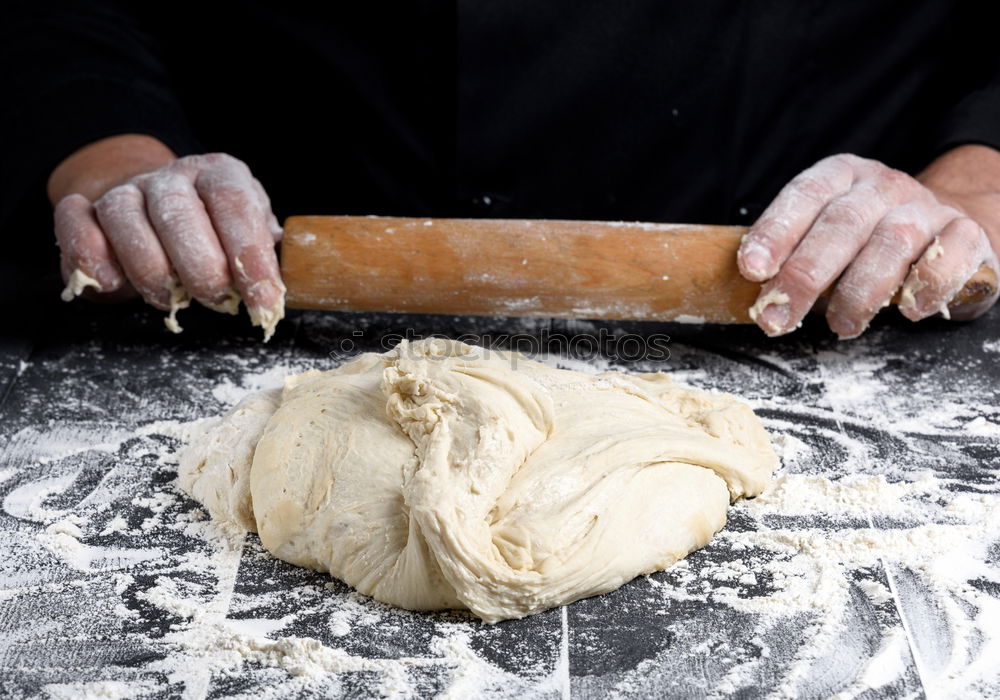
<point x="774" y="298"/>
<point x="77" y="282"/>
<point x="230" y="303"/>
<point x="908" y="292"/>
<point x="441" y="475"/>
<point x="179" y="299"/>
<point x="267" y="318"/>
<point x="935" y="250"/>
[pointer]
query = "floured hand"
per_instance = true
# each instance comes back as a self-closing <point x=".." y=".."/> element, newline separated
<point x="199" y="226"/>
<point x="869" y="231"/>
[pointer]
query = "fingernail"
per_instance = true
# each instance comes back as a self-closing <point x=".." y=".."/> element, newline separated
<point x="843" y="327"/>
<point x="110" y="278"/>
<point x="774" y="318"/>
<point x="756" y="259"/>
<point x="265" y="293"/>
<point x="228" y="302"/>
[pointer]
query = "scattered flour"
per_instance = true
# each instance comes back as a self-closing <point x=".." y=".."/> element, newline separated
<point x="229" y="393"/>
<point x="844" y="530"/>
<point x="980" y="426"/>
<point x="98" y="690"/>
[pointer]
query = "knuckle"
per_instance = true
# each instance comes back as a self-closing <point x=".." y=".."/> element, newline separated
<point x="845" y="214"/>
<point x="229" y="197"/>
<point x="236" y="213"/>
<point x="891" y="183"/>
<point x="942" y="212"/>
<point x="69" y="217"/>
<point x="154" y="185"/>
<point x="898" y="234"/>
<point x="168" y="191"/>
<point x="225" y="160"/>
<point x="968" y="229"/>
<point x="261" y="193"/>
<point x="227" y="191"/>
<point x="168" y="179"/>
<point x="878" y="168"/>
<point x="803" y="274"/>
<point x="895" y="177"/>
<point x="171" y="199"/>
<point x="875" y="192"/>
<point x="72" y="201"/>
<point x="849" y="160"/>
<point x="118" y="197"/>
<point x="812" y="189"/>
<point x="127" y="190"/>
<point x="185" y="163"/>
<point x="762" y="232"/>
<point x="230" y="207"/>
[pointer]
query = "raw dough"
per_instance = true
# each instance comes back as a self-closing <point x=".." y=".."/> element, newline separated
<point x="442" y="475"/>
<point x="773" y="298"/>
<point x="78" y="281"/>
<point x="179" y="299"/>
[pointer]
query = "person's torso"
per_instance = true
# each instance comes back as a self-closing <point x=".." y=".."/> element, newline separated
<point x="660" y="111"/>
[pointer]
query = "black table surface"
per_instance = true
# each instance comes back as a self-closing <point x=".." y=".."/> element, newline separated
<point x="94" y="533"/>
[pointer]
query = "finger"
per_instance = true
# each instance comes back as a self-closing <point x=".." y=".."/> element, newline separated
<point x="838" y="234"/>
<point x="241" y="220"/>
<point x="186" y="233"/>
<point x="86" y="259"/>
<point x="958" y="252"/>
<point x="879" y="269"/>
<point x="771" y="240"/>
<point x="272" y="220"/>
<point x="121" y="212"/>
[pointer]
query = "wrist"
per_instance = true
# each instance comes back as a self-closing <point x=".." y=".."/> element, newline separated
<point x="97" y="167"/>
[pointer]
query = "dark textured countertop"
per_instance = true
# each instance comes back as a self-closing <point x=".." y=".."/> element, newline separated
<point x="873" y="569"/>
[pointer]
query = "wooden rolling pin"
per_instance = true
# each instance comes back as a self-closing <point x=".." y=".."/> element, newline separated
<point x="582" y="269"/>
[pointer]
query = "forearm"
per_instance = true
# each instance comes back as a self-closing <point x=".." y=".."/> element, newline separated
<point x="97" y="167"/>
<point x="968" y="177"/>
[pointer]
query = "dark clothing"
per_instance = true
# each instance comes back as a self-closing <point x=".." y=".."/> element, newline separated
<point x="656" y="110"/>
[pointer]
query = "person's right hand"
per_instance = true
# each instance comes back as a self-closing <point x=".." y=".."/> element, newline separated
<point x="199" y="226"/>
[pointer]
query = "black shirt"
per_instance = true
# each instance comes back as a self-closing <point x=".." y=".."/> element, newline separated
<point x="656" y="110"/>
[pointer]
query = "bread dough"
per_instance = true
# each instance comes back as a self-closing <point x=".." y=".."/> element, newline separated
<point x="442" y="475"/>
<point x="215" y="466"/>
<point x="77" y="282"/>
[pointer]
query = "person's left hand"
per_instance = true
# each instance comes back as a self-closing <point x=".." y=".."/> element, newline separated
<point x="868" y="230"/>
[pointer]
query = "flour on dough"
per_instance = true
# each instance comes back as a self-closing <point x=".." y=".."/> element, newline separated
<point x="441" y="475"/>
